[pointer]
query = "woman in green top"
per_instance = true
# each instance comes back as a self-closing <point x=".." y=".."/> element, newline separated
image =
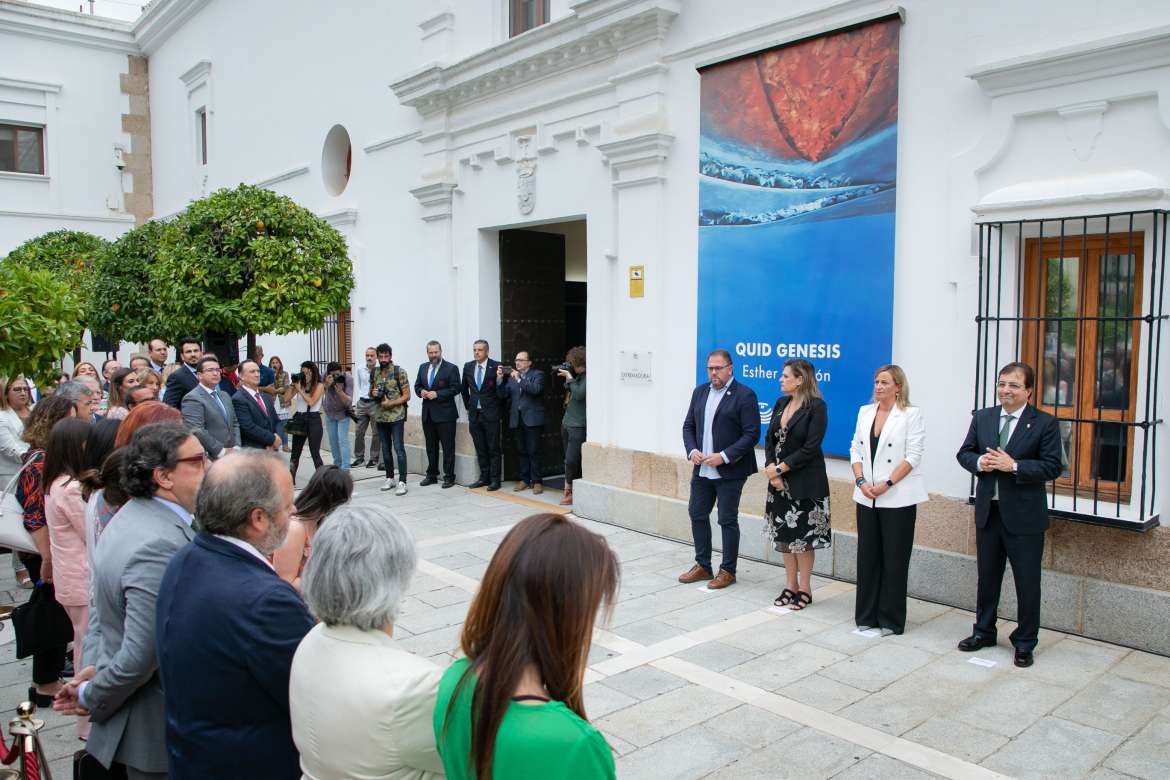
<point x="573" y="423"/>
<point x="513" y="708"/>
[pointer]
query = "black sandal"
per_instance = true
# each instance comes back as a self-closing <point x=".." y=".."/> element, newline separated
<point x="785" y="598"/>
<point x="802" y="600"/>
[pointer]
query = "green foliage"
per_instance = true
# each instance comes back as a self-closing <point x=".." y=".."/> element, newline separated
<point x="248" y="260"/>
<point x="67" y="254"/>
<point x="121" y="303"/>
<point x="41" y="319"/>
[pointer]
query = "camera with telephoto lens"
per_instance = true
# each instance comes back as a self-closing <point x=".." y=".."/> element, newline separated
<point x="563" y="367"/>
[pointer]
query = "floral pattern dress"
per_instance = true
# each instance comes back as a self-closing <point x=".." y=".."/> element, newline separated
<point x="795" y="525"/>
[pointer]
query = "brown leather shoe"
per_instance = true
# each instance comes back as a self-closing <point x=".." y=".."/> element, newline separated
<point x="538" y="488"/>
<point x="695" y="574"/>
<point x="520" y="486"/>
<point x="722" y="580"/>
<point x="568" y="499"/>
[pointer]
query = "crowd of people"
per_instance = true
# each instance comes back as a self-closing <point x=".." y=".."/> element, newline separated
<point x="222" y="627"/>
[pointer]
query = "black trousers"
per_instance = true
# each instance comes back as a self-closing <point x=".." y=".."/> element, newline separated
<point x="995" y="547"/>
<point x="704" y="493"/>
<point x="437" y="433"/>
<point x="485" y="435"/>
<point x="46" y="664"/>
<point x="313" y="432"/>
<point x="573" y="437"/>
<point x="885" y="538"/>
<point x="528" y="448"/>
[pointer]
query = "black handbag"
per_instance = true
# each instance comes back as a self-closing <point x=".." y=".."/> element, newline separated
<point x="298" y="424"/>
<point x="41" y="623"/>
<point x="86" y="767"/>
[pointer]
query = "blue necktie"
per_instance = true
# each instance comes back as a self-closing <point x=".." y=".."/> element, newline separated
<point x="479" y="377"/>
<point x="222" y="408"/>
<point x="431" y="380"/>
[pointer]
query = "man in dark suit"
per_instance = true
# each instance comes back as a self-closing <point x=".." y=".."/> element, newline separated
<point x="254" y="410"/>
<point x="227" y="627"/>
<point x="183" y="379"/>
<point x="523" y="386"/>
<point x="437" y="383"/>
<point x="720" y="433"/>
<point x="1013" y="449"/>
<point x="483" y="413"/>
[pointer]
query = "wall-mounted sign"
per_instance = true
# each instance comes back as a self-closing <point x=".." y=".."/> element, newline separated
<point x="634" y="366"/>
<point x="797" y="162"/>
<point x="637" y="281"/>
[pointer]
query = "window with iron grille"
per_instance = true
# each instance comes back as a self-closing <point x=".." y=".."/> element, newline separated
<point x="22" y="149"/>
<point x="1081" y="300"/>
<point x="333" y="341"/>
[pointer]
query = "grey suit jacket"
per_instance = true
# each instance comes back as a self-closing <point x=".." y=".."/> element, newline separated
<point x="125" y="697"/>
<point x="526" y="398"/>
<point x="203" y="414"/>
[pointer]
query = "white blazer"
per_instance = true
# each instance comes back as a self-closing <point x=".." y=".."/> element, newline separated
<point x="903" y="438"/>
<point x="361" y="707"/>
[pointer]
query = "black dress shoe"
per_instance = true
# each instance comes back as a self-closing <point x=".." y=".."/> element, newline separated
<point x="356" y="462"/>
<point x="371" y="464"/>
<point x="40" y="699"/>
<point x="447" y="483"/>
<point x="1023" y="658"/>
<point x="975" y="642"/>
<point x="494" y="486"/>
<point x="477" y="484"/>
<point x="428" y="481"/>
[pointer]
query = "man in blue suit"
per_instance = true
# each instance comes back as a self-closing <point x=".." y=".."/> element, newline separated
<point x="483" y="414"/>
<point x="720" y="433"/>
<point x="185" y="376"/>
<point x="1013" y="449"/>
<point x="255" y="413"/>
<point x="524" y="387"/>
<point x="227" y="627"/>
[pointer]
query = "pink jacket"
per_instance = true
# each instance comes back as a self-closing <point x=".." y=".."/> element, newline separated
<point x="65" y="517"/>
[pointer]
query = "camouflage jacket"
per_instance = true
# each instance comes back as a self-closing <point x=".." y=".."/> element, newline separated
<point x="390" y="382"/>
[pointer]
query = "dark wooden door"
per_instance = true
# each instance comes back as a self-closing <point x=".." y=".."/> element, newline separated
<point x="532" y="319"/>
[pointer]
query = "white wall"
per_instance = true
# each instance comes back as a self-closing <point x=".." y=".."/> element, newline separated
<point x="277" y="93"/>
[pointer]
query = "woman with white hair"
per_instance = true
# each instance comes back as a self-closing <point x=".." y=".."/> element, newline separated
<point x="361" y="707"/>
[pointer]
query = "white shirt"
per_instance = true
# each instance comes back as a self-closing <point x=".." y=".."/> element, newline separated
<point x="713" y="399"/>
<point x="363" y="383"/>
<point x="246" y="547"/>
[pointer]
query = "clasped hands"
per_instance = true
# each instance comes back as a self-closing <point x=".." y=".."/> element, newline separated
<point x="873" y="491"/>
<point x="775" y="476"/>
<point x="68" y="700"/>
<point x="996" y="459"/>
<point x="699" y="459"/>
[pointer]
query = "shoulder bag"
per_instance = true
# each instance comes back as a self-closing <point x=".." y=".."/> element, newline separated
<point x="12" y="531"/>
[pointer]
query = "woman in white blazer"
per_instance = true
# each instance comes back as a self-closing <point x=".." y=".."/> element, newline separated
<point x="886" y="454"/>
<point x="361" y="706"/>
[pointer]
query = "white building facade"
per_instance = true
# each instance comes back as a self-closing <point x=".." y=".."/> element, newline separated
<point x="463" y="162"/>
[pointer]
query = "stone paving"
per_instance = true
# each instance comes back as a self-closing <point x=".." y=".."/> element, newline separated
<point x="687" y="683"/>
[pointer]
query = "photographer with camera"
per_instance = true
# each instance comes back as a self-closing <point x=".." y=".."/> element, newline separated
<point x="336" y="405"/>
<point x="573" y="422"/>
<point x="304" y="395"/>
<point x="390" y="390"/>
<point x="523" y="386"/>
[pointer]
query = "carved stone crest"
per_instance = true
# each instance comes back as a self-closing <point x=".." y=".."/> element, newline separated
<point x="525" y="179"/>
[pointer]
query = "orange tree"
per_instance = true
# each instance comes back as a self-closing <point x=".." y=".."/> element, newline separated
<point x="248" y="260"/>
<point x="40" y="317"/>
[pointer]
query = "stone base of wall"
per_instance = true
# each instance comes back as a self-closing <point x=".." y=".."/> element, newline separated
<point x="1104" y="583"/>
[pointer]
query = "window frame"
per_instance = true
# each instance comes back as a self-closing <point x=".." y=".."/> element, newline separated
<point x="1083" y="411"/>
<point x="17" y="128"/>
<point x="515" y="10"/>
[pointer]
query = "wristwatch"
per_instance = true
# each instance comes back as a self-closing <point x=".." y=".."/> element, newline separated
<point x="859" y="481"/>
<point x="889" y="483"/>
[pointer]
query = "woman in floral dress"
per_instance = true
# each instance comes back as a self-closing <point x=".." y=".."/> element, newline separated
<point x="796" y="517"/>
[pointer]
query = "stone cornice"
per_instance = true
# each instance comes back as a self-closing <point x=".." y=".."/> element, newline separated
<point x="196" y="74"/>
<point x="31" y="86"/>
<point x="277" y="178"/>
<point x="596" y="30"/>
<point x="435" y="198"/>
<point x="52" y="24"/>
<point x="1119" y="54"/>
<point x="341" y="217"/>
<point x="161" y="19"/>
<point x="638" y="159"/>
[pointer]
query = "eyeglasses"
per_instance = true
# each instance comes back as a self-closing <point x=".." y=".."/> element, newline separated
<point x="19" y="389"/>
<point x="718" y="368"/>
<point x="202" y="458"/>
<point x="210" y="370"/>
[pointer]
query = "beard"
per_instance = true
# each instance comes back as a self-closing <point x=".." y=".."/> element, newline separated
<point x="273" y="539"/>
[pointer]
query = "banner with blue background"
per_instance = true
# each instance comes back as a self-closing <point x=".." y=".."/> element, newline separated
<point x="797" y="172"/>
